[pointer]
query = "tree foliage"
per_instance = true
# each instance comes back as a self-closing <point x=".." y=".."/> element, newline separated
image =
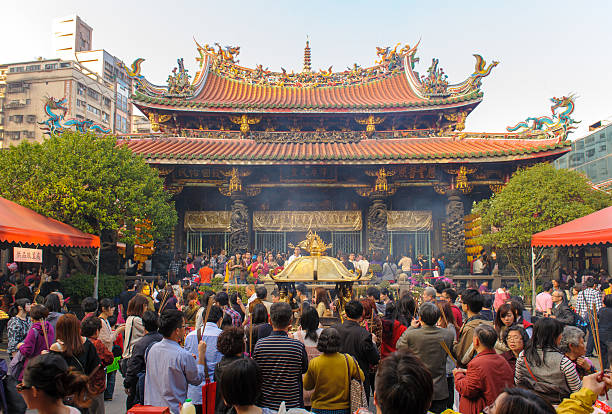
<point x="89" y="182"/>
<point x="534" y="199"/>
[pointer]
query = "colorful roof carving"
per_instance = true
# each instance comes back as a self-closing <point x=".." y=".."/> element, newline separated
<point x="558" y="125"/>
<point x="391" y="85"/>
<point x="365" y="151"/>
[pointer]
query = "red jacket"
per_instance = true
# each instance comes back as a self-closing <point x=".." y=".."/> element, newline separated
<point x="388" y="343"/>
<point x="487" y="376"/>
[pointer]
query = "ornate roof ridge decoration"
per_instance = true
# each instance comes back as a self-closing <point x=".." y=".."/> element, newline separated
<point x="559" y="125"/>
<point x="223" y="62"/>
<point x="56" y="110"/>
<point x="338" y="136"/>
<point x="307" y="136"/>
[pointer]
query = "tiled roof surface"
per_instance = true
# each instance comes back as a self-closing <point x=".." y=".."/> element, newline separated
<point x="433" y="150"/>
<point x="393" y="93"/>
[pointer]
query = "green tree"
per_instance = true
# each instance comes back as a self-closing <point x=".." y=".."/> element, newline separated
<point x="89" y="182"/>
<point x="534" y="199"/>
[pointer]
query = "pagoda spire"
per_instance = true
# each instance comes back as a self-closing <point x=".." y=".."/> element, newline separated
<point x="307" y="66"/>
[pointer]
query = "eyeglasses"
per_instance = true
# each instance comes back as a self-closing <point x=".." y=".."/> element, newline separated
<point x="21" y="387"/>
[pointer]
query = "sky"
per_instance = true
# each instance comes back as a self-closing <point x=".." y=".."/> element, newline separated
<point x="545" y="48"/>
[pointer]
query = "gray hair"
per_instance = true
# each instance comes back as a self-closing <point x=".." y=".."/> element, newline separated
<point x="571" y="336"/>
<point x="429" y="291"/>
<point x="429" y="313"/>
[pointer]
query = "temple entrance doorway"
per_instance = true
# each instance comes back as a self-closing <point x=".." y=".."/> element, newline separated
<point x="207" y="242"/>
<point x="411" y="243"/>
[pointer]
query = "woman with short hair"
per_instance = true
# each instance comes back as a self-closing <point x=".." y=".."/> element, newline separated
<point x="330" y="374"/>
<point x="514" y="338"/>
<point x="572" y="345"/>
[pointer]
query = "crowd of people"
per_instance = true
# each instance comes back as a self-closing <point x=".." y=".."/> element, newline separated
<point x="242" y="268"/>
<point x="435" y="351"/>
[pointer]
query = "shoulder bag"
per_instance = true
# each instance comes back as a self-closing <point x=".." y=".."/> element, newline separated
<point x="357" y="395"/>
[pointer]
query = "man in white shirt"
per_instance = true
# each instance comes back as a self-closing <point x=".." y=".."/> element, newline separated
<point x="405" y="264"/>
<point x="296" y="253"/>
<point x="478" y="266"/>
<point x="250" y="292"/>
<point x="362" y="264"/>
<point x="353" y="261"/>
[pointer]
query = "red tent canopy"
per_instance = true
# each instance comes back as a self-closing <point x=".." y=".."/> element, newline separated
<point x="19" y="224"/>
<point x="592" y="229"/>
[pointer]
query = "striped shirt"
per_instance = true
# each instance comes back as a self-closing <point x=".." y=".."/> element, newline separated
<point x="567" y="367"/>
<point x="282" y="361"/>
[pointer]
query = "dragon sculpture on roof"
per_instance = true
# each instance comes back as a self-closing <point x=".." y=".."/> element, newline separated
<point x="55" y="124"/>
<point x="560" y="124"/>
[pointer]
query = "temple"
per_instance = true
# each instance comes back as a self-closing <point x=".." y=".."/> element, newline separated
<point x="375" y="159"/>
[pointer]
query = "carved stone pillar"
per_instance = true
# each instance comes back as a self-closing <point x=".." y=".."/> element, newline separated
<point x="378" y="237"/>
<point x="455" y="227"/>
<point x="239" y="225"/>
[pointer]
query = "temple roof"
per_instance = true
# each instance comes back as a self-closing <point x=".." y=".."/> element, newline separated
<point x="389" y="94"/>
<point x="392" y="85"/>
<point x="179" y="150"/>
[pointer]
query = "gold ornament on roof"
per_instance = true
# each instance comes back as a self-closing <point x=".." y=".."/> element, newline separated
<point x="458" y="118"/>
<point x="157" y="119"/>
<point x="313" y="244"/>
<point x="244" y="121"/>
<point x="370" y="122"/>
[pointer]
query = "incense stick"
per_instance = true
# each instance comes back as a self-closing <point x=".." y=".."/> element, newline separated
<point x="251" y="335"/>
<point x="448" y="352"/>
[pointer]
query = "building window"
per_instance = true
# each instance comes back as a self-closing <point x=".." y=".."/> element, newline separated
<point x="28" y="134"/>
<point x="32" y="68"/>
<point x="16" y="69"/>
<point x="105" y="117"/>
<point x="107" y="102"/>
<point x="51" y="66"/>
<point x="93" y="94"/>
<point x="65" y="65"/>
<point x="30" y="119"/>
<point x="80" y="117"/>
<point x="15" y="135"/>
<point x="16" y="87"/>
<point x="18" y="119"/>
<point x="81" y="104"/>
<point x="93" y="109"/>
<point x="81" y="89"/>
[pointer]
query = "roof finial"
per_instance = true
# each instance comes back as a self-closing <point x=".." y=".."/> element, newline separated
<point x="307" y="66"/>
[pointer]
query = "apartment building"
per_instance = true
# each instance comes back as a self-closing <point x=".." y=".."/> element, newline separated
<point x="592" y="155"/>
<point x="27" y="86"/>
<point x="72" y="40"/>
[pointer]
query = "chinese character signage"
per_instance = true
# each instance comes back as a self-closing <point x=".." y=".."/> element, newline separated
<point x="21" y="254"/>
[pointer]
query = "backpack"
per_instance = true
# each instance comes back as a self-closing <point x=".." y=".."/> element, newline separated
<point x="140" y="384"/>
